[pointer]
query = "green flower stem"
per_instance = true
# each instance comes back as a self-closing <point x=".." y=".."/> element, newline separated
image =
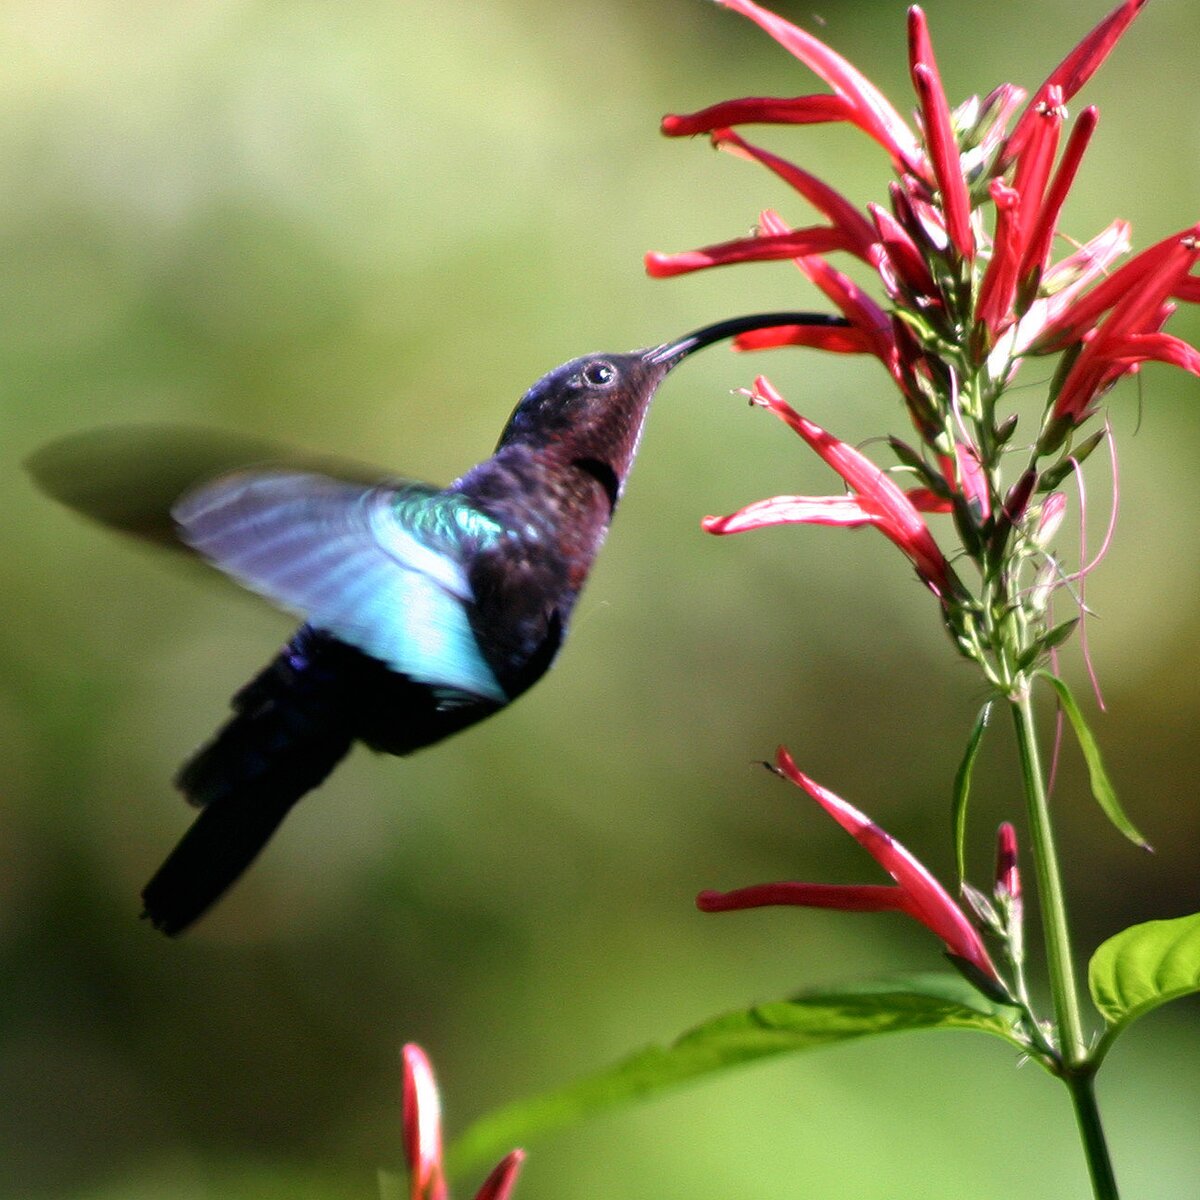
<point x="1087" y="1115"/>
<point x="1075" y="1068"/>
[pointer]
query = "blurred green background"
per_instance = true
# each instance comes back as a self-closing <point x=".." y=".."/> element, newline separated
<point x="365" y="228"/>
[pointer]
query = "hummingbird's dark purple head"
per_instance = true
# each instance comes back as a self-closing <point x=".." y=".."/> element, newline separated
<point x="592" y="408"/>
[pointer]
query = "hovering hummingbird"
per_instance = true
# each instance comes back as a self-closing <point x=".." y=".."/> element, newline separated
<point x="425" y="609"/>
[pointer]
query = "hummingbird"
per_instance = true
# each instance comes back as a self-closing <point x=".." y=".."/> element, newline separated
<point x="425" y="609"/>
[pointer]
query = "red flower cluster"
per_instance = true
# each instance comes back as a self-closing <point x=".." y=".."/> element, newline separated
<point x="967" y="295"/>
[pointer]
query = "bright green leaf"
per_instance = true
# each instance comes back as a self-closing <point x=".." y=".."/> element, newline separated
<point x="962" y="788"/>
<point x="814" y="1019"/>
<point x="1102" y="787"/>
<point x="1142" y="967"/>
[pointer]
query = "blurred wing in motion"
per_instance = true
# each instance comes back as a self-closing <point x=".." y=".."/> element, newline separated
<point x="131" y="477"/>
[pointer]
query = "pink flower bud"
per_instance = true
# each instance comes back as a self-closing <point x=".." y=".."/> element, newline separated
<point x="1008" y="875"/>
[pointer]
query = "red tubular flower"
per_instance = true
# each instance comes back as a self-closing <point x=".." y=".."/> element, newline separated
<point x="939" y="134"/>
<point x="903" y="257"/>
<point x="917" y="893"/>
<point x="1035" y="163"/>
<point x="868" y="107"/>
<point x="1074" y="70"/>
<point x="422" y="1126"/>
<point x="1141" y="276"/>
<point x="838" y="339"/>
<point x="1129" y="335"/>
<point x="423" y="1137"/>
<point x="862" y="312"/>
<point x="791" y="244"/>
<point x="878" y="501"/>
<point x="999" y="286"/>
<point x="826" y="200"/>
<point x="1037" y="250"/>
<point x="759" y="110"/>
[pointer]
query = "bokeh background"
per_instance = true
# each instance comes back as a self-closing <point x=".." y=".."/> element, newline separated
<point x="365" y="228"/>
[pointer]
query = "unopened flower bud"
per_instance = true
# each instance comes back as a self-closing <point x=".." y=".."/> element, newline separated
<point x="1053" y="509"/>
<point x="1008" y="875"/>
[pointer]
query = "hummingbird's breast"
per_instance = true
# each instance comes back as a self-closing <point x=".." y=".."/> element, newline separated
<point x="554" y="517"/>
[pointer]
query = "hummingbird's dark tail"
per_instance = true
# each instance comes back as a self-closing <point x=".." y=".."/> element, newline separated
<point x="293" y="724"/>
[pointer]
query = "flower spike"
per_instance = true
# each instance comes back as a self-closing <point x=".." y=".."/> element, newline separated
<point x="917" y="893"/>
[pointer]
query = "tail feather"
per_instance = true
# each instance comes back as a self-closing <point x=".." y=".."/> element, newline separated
<point x="293" y="724"/>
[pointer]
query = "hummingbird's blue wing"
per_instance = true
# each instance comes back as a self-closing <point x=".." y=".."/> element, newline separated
<point x="380" y="568"/>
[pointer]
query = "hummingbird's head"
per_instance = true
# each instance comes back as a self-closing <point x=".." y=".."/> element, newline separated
<point x="592" y="408"/>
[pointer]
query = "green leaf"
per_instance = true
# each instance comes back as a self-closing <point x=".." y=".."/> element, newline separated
<point x="1142" y="967"/>
<point x="1102" y="787"/>
<point x="962" y="788"/>
<point x="814" y="1019"/>
<point x="1145" y="966"/>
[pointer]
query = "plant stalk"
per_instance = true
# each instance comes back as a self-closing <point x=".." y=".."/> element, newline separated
<point x="1095" y="1148"/>
<point x="1076" y="1068"/>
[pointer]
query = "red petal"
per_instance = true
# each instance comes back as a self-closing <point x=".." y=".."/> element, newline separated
<point x="925" y="898"/>
<point x="1075" y="70"/>
<point x="866" y="897"/>
<point x="939" y="135"/>
<point x="874" y="114"/>
<point x="825" y="199"/>
<point x="1037" y="252"/>
<point x="839" y="339"/>
<point x="795" y="243"/>
<point x="846" y="511"/>
<point x="899" y="520"/>
<point x="1155" y="347"/>
<point x="760" y="110"/>
<point x="994" y="305"/>
<point x="499" y="1184"/>
<point x="1187" y="289"/>
<point x="422" y="1125"/>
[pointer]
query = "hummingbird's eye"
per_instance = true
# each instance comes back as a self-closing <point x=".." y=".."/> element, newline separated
<point x="599" y="374"/>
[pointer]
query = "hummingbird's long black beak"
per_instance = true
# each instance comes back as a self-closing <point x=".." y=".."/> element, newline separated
<point x="671" y="353"/>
